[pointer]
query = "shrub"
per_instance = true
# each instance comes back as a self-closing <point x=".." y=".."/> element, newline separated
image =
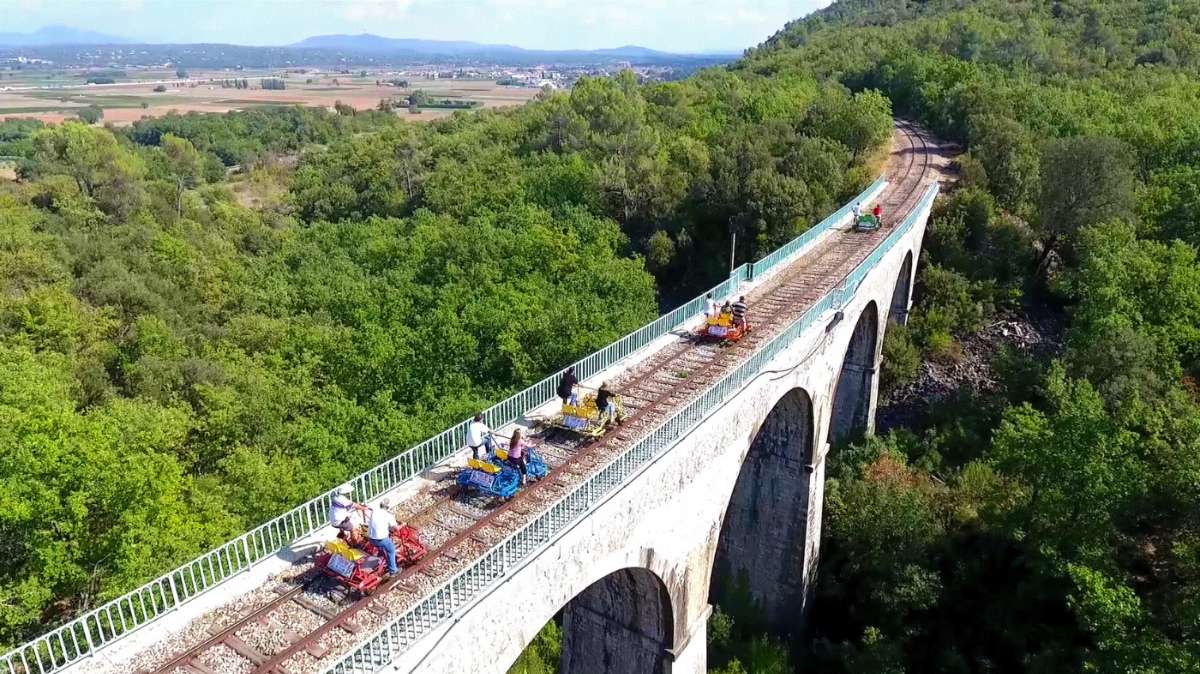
<point x="91" y="114"/>
<point x="901" y="359"/>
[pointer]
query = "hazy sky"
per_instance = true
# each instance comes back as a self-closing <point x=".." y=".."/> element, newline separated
<point x="672" y="25"/>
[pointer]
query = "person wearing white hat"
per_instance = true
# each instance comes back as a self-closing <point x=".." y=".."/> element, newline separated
<point x="380" y="533"/>
<point x="344" y="513"/>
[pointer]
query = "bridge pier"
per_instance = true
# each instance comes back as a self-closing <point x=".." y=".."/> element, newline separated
<point x="690" y="656"/>
<point x="767" y="532"/>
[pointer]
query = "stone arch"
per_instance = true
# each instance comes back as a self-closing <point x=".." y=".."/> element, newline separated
<point x="898" y="311"/>
<point x="764" y="533"/>
<point x="851" y="412"/>
<point x="620" y="624"/>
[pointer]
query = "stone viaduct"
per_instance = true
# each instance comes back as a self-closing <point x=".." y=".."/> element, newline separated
<point x="730" y="486"/>
<point x="742" y="492"/>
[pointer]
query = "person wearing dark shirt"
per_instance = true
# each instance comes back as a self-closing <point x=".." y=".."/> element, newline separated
<point x="566" y="386"/>
<point x="606" y="404"/>
<point x="739" y="311"/>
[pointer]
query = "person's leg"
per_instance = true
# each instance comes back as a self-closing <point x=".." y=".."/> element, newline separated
<point x="388" y="548"/>
<point x="489" y="443"/>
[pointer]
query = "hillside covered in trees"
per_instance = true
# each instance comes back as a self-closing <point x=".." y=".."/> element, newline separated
<point x="1050" y="521"/>
<point x="186" y="351"/>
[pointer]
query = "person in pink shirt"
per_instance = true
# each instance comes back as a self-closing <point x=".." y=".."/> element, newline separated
<point x="518" y="455"/>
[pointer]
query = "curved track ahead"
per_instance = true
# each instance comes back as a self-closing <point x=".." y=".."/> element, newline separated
<point x="300" y="629"/>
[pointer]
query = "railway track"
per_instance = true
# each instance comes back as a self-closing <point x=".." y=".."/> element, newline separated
<point x="307" y="622"/>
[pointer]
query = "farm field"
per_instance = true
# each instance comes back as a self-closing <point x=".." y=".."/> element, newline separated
<point x="55" y="98"/>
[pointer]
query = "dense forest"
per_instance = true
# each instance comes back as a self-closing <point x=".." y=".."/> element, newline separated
<point x="1050" y="521"/>
<point x="207" y="319"/>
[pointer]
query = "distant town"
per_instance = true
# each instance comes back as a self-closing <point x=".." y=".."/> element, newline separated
<point x="118" y="83"/>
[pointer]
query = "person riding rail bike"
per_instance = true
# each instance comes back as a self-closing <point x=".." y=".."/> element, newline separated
<point x="739" y="312"/>
<point x="344" y="514"/>
<point x="607" y="405"/>
<point x="518" y="455"/>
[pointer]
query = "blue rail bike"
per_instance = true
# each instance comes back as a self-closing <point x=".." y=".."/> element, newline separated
<point x="490" y="476"/>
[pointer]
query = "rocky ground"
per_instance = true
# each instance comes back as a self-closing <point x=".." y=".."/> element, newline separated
<point x="1032" y="330"/>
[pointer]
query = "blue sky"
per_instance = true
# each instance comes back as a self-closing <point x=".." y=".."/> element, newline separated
<point x="671" y="25"/>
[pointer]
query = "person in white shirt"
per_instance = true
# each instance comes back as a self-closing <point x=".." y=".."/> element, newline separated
<point x="710" y="306"/>
<point x="380" y="532"/>
<point x="857" y="211"/>
<point x="344" y="513"/>
<point x="479" y="437"/>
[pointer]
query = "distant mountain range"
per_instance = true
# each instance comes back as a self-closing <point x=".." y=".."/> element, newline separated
<point x="58" y="35"/>
<point x="368" y="43"/>
<point x="365" y="43"/>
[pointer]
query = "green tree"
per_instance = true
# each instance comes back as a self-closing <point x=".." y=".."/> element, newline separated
<point x="860" y="123"/>
<point x="901" y="360"/>
<point x="186" y="165"/>
<point x="1085" y="180"/>
<point x="541" y="656"/>
<point x="102" y="170"/>
<point x="92" y="114"/>
<point x="1172" y="204"/>
<point x="1008" y="155"/>
<point x="1077" y="465"/>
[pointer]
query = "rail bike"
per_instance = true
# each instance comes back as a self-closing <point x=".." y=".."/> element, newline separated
<point x="866" y="223"/>
<point x="583" y="416"/>
<point x="496" y="476"/>
<point x="722" y="328"/>
<point x="354" y="562"/>
<point x="490" y="476"/>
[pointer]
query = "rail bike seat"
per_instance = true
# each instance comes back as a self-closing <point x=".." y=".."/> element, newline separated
<point x="483" y="465"/>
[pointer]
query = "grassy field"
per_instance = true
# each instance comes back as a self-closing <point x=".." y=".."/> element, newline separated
<point x="105" y="100"/>
<point x="203" y="92"/>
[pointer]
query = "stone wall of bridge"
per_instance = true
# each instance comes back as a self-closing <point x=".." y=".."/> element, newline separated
<point x="743" y="490"/>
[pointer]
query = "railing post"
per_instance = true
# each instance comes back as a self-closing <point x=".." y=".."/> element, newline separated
<point x="87" y="635"/>
<point x="174" y="591"/>
<point x="246" y="552"/>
